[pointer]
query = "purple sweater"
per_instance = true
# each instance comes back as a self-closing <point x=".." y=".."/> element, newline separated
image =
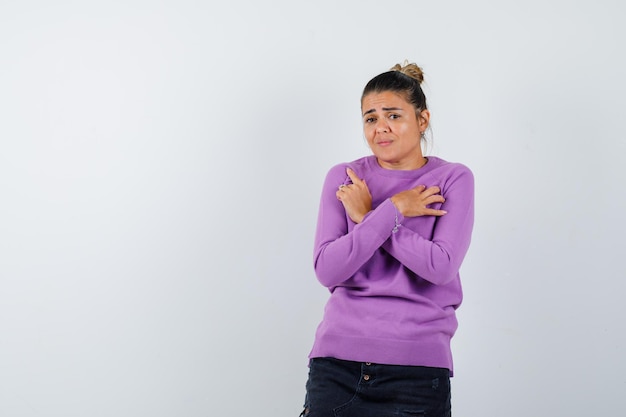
<point x="393" y="293"/>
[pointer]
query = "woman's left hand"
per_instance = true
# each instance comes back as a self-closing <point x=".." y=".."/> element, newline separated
<point x="355" y="197"/>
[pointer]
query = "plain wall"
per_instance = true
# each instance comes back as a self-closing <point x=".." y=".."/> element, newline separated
<point x="160" y="169"/>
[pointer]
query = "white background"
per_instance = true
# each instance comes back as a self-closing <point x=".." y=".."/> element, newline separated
<point x="160" y="168"/>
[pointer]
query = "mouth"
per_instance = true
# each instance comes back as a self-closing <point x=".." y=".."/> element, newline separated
<point x="384" y="143"/>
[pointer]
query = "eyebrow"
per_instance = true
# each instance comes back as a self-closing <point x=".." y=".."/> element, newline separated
<point x="384" y="109"/>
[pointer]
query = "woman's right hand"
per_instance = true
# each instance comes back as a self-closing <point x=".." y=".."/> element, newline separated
<point x="415" y="202"/>
<point x="355" y="197"/>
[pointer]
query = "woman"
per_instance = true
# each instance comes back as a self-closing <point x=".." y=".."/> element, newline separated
<point x="393" y="229"/>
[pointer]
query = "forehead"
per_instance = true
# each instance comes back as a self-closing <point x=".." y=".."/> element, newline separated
<point x="376" y="101"/>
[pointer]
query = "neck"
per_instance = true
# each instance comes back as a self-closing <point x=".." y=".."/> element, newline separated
<point x="404" y="165"/>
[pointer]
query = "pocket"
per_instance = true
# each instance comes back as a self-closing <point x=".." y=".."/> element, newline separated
<point x="422" y="396"/>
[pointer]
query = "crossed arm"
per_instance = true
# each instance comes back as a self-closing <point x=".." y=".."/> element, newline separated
<point x="340" y="253"/>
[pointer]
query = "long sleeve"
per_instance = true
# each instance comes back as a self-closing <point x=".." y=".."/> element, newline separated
<point x="439" y="258"/>
<point x="341" y="247"/>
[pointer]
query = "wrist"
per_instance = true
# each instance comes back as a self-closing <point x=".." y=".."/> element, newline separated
<point x="398" y="217"/>
<point x="396" y="202"/>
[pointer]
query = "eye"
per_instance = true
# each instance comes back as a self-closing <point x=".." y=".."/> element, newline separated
<point x="370" y="120"/>
<point x="394" y="116"/>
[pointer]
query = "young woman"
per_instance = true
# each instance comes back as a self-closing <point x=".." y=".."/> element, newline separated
<point x="393" y="229"/>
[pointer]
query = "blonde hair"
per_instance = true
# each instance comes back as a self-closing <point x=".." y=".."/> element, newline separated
<point x="411" y="69"/>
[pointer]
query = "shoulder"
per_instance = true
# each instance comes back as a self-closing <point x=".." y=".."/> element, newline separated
<point x="443" y="167"/>
<point x="360" y="166"/>
<point x="449" y="173"/>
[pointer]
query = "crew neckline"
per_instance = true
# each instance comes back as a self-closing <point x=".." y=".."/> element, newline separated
<point x="431" y="162"/>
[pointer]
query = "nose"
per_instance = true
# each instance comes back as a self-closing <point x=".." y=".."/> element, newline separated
<point x="382" y="126"/>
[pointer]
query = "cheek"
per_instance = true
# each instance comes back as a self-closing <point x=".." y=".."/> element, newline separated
<point x="408" y="130"/>
<point x="403" y="128"/>
<point x="368" y="132"/>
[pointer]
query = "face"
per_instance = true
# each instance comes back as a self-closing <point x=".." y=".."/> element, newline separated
<point x="393" y="130"/>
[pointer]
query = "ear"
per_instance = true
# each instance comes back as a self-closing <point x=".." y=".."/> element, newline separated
<point x="423" y="119"/>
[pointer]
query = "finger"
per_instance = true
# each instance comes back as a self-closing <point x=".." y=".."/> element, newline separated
<point x="355" y="178"/>
<point x="433" y="212"/>
<point x="437" y="198"/>
<point x="434" y="189"/>
<point x="430" y="191"/>
<point x="420" y="188"/>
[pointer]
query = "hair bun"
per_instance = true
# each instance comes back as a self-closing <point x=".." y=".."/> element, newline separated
<point x="411" y="70"/>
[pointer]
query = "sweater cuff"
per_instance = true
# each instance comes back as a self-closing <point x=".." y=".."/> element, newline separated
<point x="385" y="219"/>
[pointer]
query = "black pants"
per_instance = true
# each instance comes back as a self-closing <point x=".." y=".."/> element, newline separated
<point x="338" y="388"/>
